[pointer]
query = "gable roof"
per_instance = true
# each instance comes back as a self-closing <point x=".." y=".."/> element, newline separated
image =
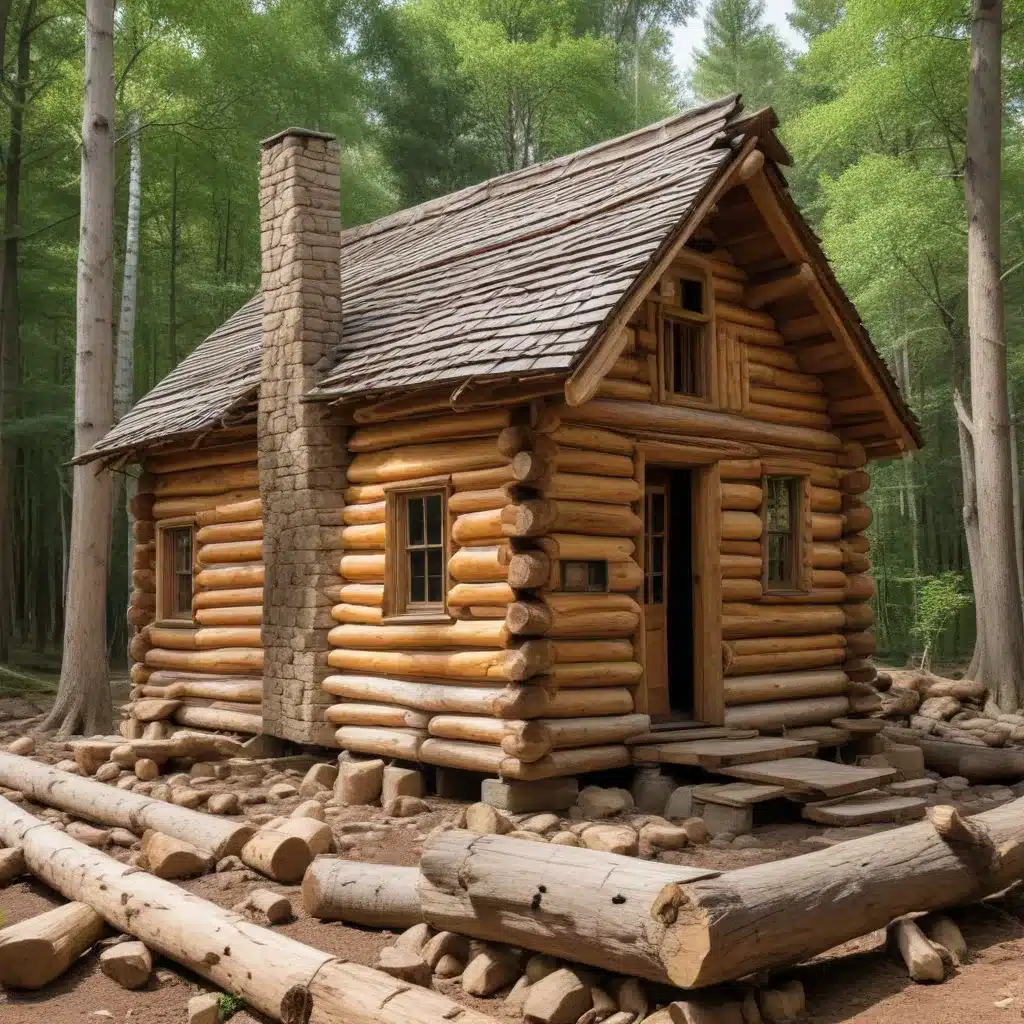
<point x="514" y="277"/>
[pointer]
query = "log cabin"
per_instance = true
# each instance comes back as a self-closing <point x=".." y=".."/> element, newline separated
<point x="496" y="482"/>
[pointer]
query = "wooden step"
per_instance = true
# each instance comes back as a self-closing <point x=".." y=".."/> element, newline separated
<point x="810" y="775"/>
<point x="736" y="794"/>
<point x="716" y="753"/>
<point x="866" y="808"/>
<point x="710" y="732"/>
<point x="860" y="725"/>
<point x="823" y="735"/>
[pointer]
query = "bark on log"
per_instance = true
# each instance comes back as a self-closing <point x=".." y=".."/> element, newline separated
<point x="111" y="806"/>
<point x="693" y="928"/>
<point x="979" y="764"/>
<point x="41" y="948"/>
<point x="340" y="890"/>
<point x="287" y="980"/>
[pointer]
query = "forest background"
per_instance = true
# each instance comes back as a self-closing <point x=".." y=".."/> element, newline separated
<point x="427" y="96"/>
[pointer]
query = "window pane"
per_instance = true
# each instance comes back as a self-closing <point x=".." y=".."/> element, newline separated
<point x="435" y="574"/>
<point x="414" y="512"/>
<point x="417" y="576"/>
<point x="685" y="344"/>
<point x="183" y="596"/>
<point x="657" y="523"/>
<point x="182" y="540"/>
<point x="433" y="503"/>
<point x="691" y="296"/>
<point x="657" y="556"/>
<point x="657" y="589"/>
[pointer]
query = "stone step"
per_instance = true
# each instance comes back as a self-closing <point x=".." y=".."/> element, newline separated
<point x="810" y="775"/>
<point x="866" y="808"/>
<point x="736" y="794"/>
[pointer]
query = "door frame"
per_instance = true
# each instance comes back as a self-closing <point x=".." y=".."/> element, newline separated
<point x="708" y="685"/>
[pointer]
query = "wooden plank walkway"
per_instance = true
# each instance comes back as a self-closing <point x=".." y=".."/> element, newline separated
<point x="866" y="808"/>
<point x="809" y="775"/>
<point x="716" y="754"/>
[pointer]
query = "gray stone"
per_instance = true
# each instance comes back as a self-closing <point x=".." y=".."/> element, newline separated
<point x="405" y="807"/>
<point x="719" y="818"/>
<point x="404" y="965"/>
<point x="204" y="1009"/>
<point x="489" y="971"/>
<point x="596" y="802"/>
<point x="529" y="797"/>
<point x="746" y="842"/>
<point x="223" y="803"/>
<point x="540" y="823"/>
<point x="359" y="782"/>
<point x="560" y="998"/>
<point x="651" y="790"/>
<point x="611" y="839"/>
<point x="400" y="782"/>
<point x="679" y="804"/>
<point x="486" y="820"/>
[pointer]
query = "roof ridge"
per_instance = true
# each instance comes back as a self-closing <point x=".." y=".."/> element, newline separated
<point x="481" y="191"/>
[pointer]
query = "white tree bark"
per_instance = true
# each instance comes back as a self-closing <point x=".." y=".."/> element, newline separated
<point x="997" y="592"/>
<point x="124" y="378"/>
<point x="83" y="700"/>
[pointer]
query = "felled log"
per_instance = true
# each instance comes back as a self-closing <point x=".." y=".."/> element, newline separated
<point x="341" y="890"/>
<point x="387" y="715"/>
<point x="95" y="801"/>
<point x="693" y="928"/>
<point x="979" y="764"/>
<point x="39" y="949"/>
<point x="249" y="691"/>
<point x="287" y="980"/>
<point x="219" y="718"/>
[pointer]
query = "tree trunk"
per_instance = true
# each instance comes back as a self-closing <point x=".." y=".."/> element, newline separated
<point x="999" y="604"/>
<point x="692" y="927"/>
<point x="10" y="315"/>
<point x="83" y="699"/>
<point x="342" y="890"/>
<point x="287" y="980"/>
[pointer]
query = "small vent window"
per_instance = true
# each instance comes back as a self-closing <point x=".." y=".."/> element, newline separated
<point x="685" y="329"/>
<point x="590" y="577"/>
<point x="175" y="571"/>
<point x="781" y="532"/>
<point x="425" y="549"/>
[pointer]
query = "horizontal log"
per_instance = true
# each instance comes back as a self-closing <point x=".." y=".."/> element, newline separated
<point x="777" y="715"/>
<point x="464" y="595"/>
<point x="39" y="949"/>
<point x="479" y="527"/>
<point x="228" y="532"/>
<point x="341" y="890"/>
<point x="859" y="616"/>
<point x="740" y="469"/>
<point x="427" y="695"/>
<point x="755" y="620"/>
<point x="387" y="715"/>
<point x="751" y="548"/>
<point x="572" y="546"/>
<point x="231" y="512"/>
<point x="740" y="566"/>
<point x="364" y="537"/>
<point x="856" y="482"/>
<point x="826" y="556"/>
<point x="237" y="551"/>
<point x="532" y="658"/>
<point x="423" y="460"/>
<point x="364" y="614"/>
<point x="478" y="501"/>
<point x="979" y="764"/>
<point x="401" y="743"/>
<point x="701" y="422"/>
<point x="96" y="801"/>
<point x="740" y="497"/>
<point x="482" y="479"/>
<point x="360" y="515"/>
<point x="752" y="689"/>
<point x="526" y="740"/>
<point x="740" y="589"/>
<point x="860" y="587"/>
<point x="861" y="644"/>
<point x="219" y="718"/>
<point x="780" y="398"/>
<point x="826" y="527"/>
<point x="229" y="597"/>
<point x="200" y="504"/>
<point x="249" y="691"/>
<point x="461" y="633"/>
<point x="370" y="594"/>
<point x="624" y="576"/>
<point x="778" y="377"/>
<point x="538" y="517"/>
<point x="741" y="526"/>
<point x="587" y="487"/>
<point x="592" y="650"/>
<point x="213" y="480"/>
<point x="597" y="673"/>
<point x="782" y="644"/>
<point x="230" y="577"/>
<point x="362" y="568"/>
<point x="587" y="702"/>
<point x="485" y="758"/>
<point x="578" y="435"/>
<point x="478" y="564"/>
<point x="224" y="661"/>
<point x="783" y="661"/>
<point x="856" y="520"/>
<point x="203" y="457"/>
<point x="425" y="429"/>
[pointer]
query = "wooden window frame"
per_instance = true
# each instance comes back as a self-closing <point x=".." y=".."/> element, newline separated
<point x="165" y="570"/>
<point x="665" y="296"/>
<point x="396" y="563"/>
<point x="800" y="531"/>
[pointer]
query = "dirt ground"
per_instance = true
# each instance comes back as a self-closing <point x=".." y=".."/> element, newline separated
<point x="857" y="982"/>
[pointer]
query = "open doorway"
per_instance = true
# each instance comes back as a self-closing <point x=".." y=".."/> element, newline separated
<point x="668" y="593"/>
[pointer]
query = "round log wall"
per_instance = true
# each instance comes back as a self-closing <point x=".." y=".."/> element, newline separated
<point x="524" y="680"/>
<point x="207" y="673"/>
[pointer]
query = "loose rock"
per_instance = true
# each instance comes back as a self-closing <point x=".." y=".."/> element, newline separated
<point x="611" y="839"/>
<point x="404" y="965"/>
<point x="405" y="807"/>
<point x="560" y="998"/>
<point x="489" y="971"/>
<point x="23" y="745"/>
<point x="398" y="782"/>
<point x="224" y="803"/>
<point x="204" y="1009"/>
<point x="146" y="769"/>
<point x="486" y="820"/>
<point x="128" y="963"/>
<point x="359" y="782"/>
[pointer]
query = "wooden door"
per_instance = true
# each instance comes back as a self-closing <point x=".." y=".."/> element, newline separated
<point x="656" y="582"/>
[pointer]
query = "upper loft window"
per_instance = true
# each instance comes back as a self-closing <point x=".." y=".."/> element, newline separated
<point x="685" y="335"/>
<point x="781" y="532"/>
<point x="418" y="554"/>
<point x="174" y="572"/>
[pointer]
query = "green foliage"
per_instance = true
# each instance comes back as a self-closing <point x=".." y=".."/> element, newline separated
<point x="939" y="599"/>
<point x="230" y="1004"/>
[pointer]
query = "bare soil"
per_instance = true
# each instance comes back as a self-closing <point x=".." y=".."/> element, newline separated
<point x="857" y="982"/>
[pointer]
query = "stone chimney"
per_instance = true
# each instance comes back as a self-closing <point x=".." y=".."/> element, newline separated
<point x="301" y="452"/>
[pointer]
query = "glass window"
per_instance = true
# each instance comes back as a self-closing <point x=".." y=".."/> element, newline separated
<point x="655" y="539"/>
<point x="177" y="581"/>
<point x="782" y="514"/>
<point x="424" y="549"/>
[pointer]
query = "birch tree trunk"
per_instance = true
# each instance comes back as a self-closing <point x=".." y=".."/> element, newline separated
<point x="999" y="600"/>
<point x="124" y="372"/>
<point x="83" y="699"/>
